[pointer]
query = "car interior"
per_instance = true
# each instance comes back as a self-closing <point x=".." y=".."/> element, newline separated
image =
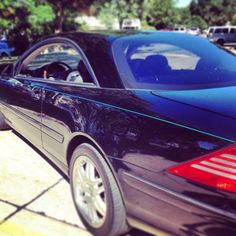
<point x="60" y="71"/>
<point x="156" y="69"/>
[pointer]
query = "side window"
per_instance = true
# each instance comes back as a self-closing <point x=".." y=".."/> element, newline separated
<point x="221" y="30"/>
<point x="57" y="61"/>
<point x="225" y="30"/>
<point x="233" y="30"/>
<point x="211" y="30"/>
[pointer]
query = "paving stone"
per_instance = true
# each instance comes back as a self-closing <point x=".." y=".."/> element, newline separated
<point x="58" y="204"/>
<point x="23" y="172"/>
<point x="26" y="223"/>
<point x="5" y="210"/>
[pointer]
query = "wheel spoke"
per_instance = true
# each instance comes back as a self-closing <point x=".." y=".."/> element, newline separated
<point x="100" y="206"/>
<point x="100" y="190"/>
<point x="90" y="171"/>
<point x="81" y="174"/>
<point x="97" y="181"/>
<point x="92" y="212"/>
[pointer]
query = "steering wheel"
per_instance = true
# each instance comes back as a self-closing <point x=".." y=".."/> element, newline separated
<point x="56" y="69"/>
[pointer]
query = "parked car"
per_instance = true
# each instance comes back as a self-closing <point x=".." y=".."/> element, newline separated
<point x="194" y="31"/>
<point x="180" y="29"/>
<point x="222" y="35"/>
<point x="142" y="123"/>
<point x="5" y="50"/>
<point x="131" y="24"/>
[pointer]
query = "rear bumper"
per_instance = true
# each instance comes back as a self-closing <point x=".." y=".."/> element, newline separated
<point x="172" y="212"/>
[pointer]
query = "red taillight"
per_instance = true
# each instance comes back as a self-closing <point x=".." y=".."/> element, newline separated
<point x="217" y="169"/>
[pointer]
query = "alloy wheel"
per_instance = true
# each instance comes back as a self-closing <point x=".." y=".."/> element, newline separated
<point x="89" y="191"/>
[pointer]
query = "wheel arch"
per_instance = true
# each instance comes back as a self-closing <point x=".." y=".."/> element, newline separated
<point x="79" y="138"/>
<point x="220" y="41"/>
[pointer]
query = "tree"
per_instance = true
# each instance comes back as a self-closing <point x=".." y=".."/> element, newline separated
<point x="6" y="15"/>
<point x="162" y="14"/>
<point x="214" y="12"/>
<point x="59" y="7"/>
<point x="24" y="21"/>
<point x="185" y="18"/>
<point x="121" y="9"/>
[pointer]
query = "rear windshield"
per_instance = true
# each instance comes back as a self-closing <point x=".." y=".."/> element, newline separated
<point x="173" y="62"/>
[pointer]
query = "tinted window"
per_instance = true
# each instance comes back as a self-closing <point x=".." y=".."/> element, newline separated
<point x="233" y="30"/>
<point x="56" y="62"/>
<point x="211" y="30"/>
<point x="221" y="30"/>
<point x="169" y="55"/>
<point x="173" y="61"/>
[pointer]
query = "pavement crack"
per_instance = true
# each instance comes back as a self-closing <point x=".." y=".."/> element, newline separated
<point x="21" y="207"/>
<point x="53" y="218"/>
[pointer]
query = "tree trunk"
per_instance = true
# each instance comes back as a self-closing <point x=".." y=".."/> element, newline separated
<point x="59" y="17"/>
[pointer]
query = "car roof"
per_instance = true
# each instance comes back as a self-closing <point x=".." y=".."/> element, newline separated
<point x="105" y="34"/>
<point x="97" y="47"/>
<point x="225" y="26"/>
<point x="92" y="37"/>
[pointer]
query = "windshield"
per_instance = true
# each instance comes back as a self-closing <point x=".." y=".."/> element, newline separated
<point x="173" y="61"/>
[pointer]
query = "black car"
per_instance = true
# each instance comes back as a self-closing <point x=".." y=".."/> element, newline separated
<point x="143" y="123"/>
<point x="5" y="50"/>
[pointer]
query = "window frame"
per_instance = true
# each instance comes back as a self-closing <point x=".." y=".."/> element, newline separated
<point x="56" y="40"/>
<point x="221" y="30"/>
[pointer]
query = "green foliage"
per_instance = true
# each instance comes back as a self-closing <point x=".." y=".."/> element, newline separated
<point x="24" y="21"/>
<point x="107" y="14"/>
<point x="162" y="14"/>
<point x="121" y="10"/>
<point x="214" y="12"/>
<point x="61" y="6"/>
<point x="69" y="23"/>
<point x="186" y="19"/>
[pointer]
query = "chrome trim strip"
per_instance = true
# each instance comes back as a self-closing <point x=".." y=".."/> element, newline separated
<point x="45" y="129"/>
<point x="223" y="161"/>
<point x="182" y="197"/>
<point x="218" y="166"/>
<point x="52" y="133"/>
<point x="145" y="227"/>
<point x="215" y="172"/>
<point x="23" y="116"/>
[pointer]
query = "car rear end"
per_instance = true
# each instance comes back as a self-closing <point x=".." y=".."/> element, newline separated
<point x="180" y="177"/>
<point x="196" y="197"/>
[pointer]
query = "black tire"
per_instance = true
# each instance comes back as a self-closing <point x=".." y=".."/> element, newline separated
<point x="114" y="222"/>
<point x="220" y="42"/>
<point x="3" y="124"/>
<point x="3" y="54"/>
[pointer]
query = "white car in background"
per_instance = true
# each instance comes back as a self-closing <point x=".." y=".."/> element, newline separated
<point x="180" y="29"/>
<point x="222" y="35"/>
<point x="194" y="31"/>
<point x="131" y="24"/>
<point x="191" y="30"/>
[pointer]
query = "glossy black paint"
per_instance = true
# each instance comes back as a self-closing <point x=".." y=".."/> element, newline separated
<point x="140" y="133"/>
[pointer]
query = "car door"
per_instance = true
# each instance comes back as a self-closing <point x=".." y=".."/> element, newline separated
<point x="60" y="110"/>
<point x="27" y="86"/>
<point x="26" y="89"/>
